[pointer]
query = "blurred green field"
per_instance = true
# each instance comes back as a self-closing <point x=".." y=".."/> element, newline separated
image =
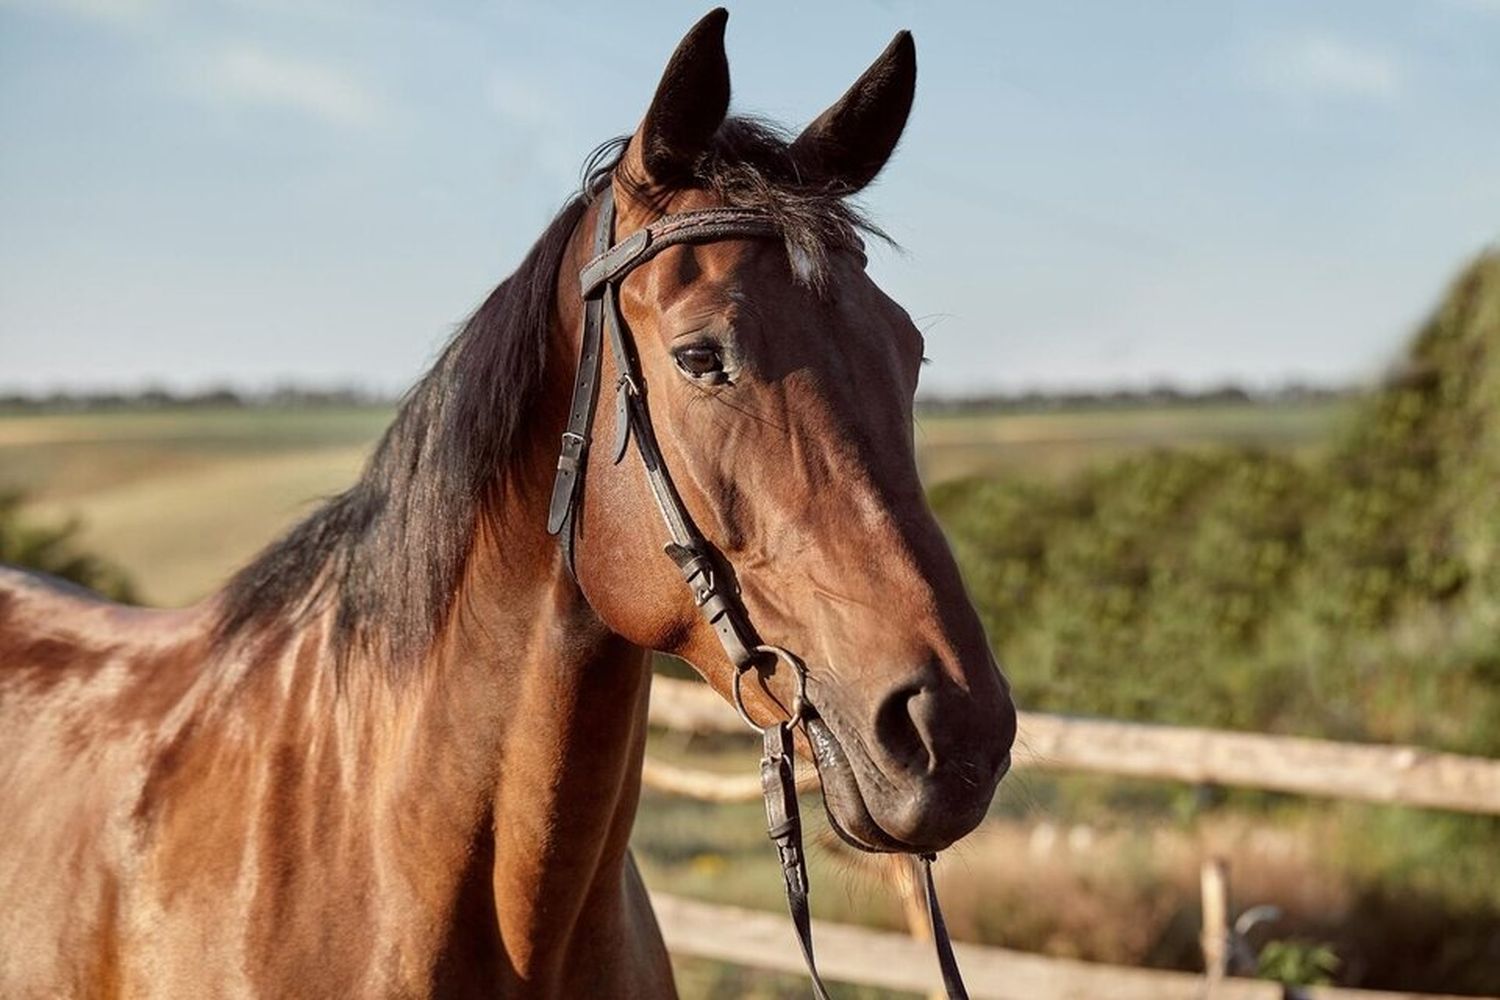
<point x="1057" y="444"/>
<point x="180" y="498"/>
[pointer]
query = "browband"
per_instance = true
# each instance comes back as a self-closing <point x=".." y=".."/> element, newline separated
<point x="706" y="225"/>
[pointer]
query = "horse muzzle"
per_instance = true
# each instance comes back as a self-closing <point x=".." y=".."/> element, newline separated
<point x="900" y="809"/>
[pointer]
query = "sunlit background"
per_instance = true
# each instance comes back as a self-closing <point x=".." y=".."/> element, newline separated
<point x="1212" y="419"/>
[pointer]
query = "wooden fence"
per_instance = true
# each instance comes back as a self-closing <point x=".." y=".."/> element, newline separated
<point x="764" y="940"/>
<point x="1387" y="774"/>
<point x="1396" y="775"/>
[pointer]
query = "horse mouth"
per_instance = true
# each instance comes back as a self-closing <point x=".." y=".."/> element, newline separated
<point x="843" y="800"/>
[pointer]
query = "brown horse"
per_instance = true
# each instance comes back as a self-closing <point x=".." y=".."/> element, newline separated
<point x="399" y="755"/>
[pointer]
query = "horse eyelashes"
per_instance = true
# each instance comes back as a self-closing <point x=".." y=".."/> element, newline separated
<point x="704" y="362"/>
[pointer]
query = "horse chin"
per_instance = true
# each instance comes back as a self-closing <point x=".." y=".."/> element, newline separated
<point x="843" y="801"/>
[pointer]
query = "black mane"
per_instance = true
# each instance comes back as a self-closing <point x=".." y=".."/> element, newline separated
<point x="388" y="554"/>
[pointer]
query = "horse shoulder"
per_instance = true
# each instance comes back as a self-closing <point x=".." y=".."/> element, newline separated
<point x="87" y="690"/>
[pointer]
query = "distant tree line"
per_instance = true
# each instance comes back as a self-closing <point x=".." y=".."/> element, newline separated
<point x="1033" y="400"/>
<point x="1160" y="395"/>
<point x="214" y="397"/>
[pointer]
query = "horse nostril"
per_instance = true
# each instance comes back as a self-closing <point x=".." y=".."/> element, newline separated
<point x="939" y="750"/>
<point x="924" y="729"/>
<point x="897" y="731"/>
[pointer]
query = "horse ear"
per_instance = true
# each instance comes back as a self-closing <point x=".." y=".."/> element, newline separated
<point x="690" y="103"/>
<point x="847" y="145"/>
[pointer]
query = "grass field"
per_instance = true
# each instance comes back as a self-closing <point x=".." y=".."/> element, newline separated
<point x="1057" y="444"/>
<point x="180" y="498"/>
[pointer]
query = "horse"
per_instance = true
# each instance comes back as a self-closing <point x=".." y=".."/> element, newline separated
<point x="399" y="753"/>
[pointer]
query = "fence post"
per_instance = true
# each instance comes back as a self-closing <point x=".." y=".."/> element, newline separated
<point x="1214" y="886"/>
<point x="913" y="900"/>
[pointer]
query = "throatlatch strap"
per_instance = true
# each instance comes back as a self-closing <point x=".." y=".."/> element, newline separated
<point x="572" y="460"/>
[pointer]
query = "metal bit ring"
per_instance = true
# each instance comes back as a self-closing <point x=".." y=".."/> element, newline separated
<point x="799" y="699"/>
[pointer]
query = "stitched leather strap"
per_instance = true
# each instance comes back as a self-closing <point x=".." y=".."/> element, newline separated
<point x="778" y="781"/>
<point x="573" y="456"/>
<point x="953" y="980"/>
<point x="599" y="284"/>
<point x="708" y="225"/>
<point x="716" y="601"/>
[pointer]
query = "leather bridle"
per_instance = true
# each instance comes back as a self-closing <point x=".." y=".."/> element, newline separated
<point x="713" y="590"/>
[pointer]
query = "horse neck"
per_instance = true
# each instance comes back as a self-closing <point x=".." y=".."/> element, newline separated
<point x="534" y="713"/>
<point x="562" y="705"/>
<point x="500" y="775"/>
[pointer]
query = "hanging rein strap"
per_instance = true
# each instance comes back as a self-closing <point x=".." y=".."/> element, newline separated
<point x="716" y="597"/>
<point x="778" y="780"/>
<point x="953" y="981"/>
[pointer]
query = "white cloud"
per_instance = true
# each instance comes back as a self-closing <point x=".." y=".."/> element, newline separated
<point x="1476" y="6"/>
<point x="1324" y="66"/>
<point x="114" y="11"/>
<point x="254" y="76"/>
<point x="235" y="73"/>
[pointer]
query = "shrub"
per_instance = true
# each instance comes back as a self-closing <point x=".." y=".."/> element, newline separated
<point x="1354" y="597"/>
<point x="53" y="549"/>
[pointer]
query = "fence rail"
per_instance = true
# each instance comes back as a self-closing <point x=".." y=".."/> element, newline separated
<point x="896" y="961"/>
<point x="1399" y="775"/>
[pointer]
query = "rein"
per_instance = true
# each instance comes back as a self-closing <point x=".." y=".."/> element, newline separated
<point x="717" y="599"/>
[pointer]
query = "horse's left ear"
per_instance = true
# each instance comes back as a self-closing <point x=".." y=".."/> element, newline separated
<point x="690" y="103"/>
<point x="847" y="145"/>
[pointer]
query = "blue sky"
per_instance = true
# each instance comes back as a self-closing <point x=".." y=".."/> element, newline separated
<point x="1088" y="193"/>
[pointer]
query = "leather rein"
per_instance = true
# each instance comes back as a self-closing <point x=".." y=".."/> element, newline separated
<point x="713" y="591"/>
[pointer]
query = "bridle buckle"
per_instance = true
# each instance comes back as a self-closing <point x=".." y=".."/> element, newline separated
<point x="571" y="455"/>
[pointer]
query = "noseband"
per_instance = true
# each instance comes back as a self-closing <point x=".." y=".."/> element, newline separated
<point x="717" y="597"/>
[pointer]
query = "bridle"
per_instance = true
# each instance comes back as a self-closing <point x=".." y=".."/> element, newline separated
<point x="717" y="597"/>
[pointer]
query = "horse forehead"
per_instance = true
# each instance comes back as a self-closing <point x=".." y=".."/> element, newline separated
<point x="730" y="281"/>
<point x="726" y="276"/>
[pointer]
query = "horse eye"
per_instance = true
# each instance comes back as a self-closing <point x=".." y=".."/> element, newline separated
<point x="699" y="360"/>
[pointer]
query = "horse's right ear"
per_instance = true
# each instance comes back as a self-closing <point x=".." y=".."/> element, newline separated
<point x="691" y="101"/>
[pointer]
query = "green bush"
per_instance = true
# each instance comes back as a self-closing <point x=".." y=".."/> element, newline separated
<point x="1297" y="963"/>
<point x="1357" y="596"/>
<point x="53" y="549"/>
<point x="1414" y="517"/>
<point x="1126" y="591"/>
